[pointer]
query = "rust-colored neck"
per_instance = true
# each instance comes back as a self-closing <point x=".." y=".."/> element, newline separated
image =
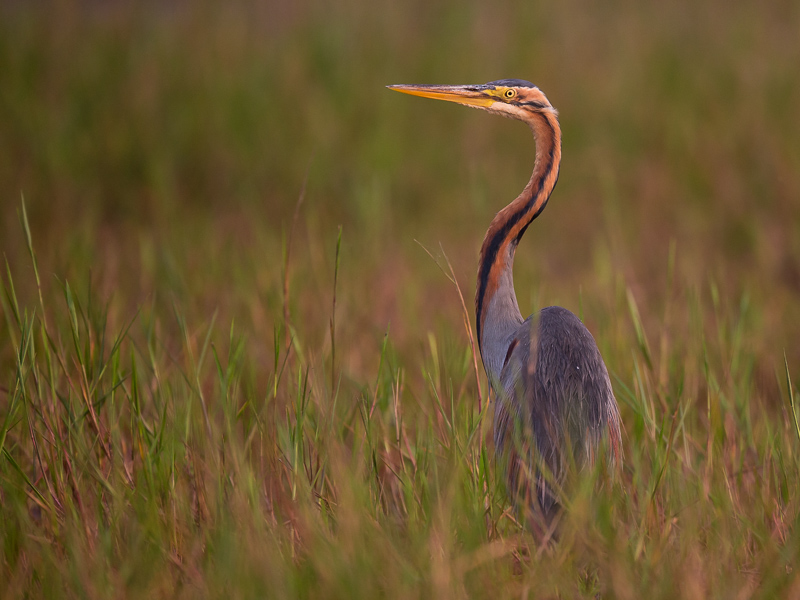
<point x="495" y="301"/>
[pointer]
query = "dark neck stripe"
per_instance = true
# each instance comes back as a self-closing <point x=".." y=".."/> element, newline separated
<point x="496" y="241"/>
<point x="532" y="103"/>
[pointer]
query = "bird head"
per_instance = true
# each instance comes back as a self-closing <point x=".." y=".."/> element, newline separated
<point x="513" y="98"/>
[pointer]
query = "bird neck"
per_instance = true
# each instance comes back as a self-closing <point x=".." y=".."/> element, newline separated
<point x="497" y="311"/>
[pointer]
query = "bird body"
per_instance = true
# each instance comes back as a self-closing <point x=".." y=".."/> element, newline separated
<point x="554" y="401"/>
<point x="554" y="405"/>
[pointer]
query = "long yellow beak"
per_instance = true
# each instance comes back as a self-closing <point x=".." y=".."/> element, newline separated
<point x="471" y="95"/>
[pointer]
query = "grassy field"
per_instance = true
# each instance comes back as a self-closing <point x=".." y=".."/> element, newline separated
<point x="229" y="366"/>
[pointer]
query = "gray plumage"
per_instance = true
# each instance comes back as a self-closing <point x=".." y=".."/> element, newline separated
<point x="553" y="391"/>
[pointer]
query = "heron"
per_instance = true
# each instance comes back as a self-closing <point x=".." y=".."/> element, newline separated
<point x="554" y="405"/>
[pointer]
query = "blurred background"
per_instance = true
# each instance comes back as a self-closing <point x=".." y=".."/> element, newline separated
<point x="161" y="148"/>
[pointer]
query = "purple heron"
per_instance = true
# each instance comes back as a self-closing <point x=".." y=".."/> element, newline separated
<point x="554" y="403"/>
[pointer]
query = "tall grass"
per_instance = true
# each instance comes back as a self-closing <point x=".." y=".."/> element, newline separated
<point x="211" y="388"/>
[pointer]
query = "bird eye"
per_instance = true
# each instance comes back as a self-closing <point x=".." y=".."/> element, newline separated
<point x="510" y="93"/>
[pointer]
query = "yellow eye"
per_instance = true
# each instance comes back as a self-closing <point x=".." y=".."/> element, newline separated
<point x="510" y="93"/>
